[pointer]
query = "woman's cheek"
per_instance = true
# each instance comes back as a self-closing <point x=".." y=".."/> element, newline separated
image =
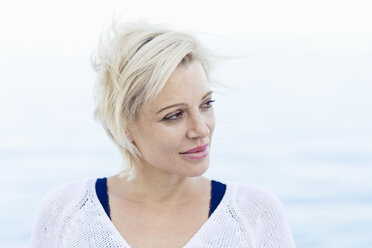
<point x="211" y="120"/>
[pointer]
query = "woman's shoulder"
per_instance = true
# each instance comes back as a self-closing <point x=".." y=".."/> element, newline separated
<point x="262" y="211"/>
<point x="59" y="207"/>
<point x="255" y="199"/>
<point x="73" y="188"/>
<point x="64" y="195"/>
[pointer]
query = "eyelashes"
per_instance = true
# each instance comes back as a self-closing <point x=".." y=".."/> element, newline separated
<point x="173" y="117"/>
<point x="209" y="103"/>
<point x="178" y="115"/>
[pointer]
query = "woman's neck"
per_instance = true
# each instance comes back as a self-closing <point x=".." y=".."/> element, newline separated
<point x="154" y="188"/>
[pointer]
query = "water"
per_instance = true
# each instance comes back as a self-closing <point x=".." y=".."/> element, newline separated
<point x="295" y="118"/>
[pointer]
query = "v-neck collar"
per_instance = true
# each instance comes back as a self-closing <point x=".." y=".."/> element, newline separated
<point x="125" y="244"/>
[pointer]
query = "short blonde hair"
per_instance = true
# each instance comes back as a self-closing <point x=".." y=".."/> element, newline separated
<point x="133" y="62"/>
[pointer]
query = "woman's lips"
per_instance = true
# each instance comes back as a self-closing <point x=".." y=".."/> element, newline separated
<point x="199" y="152"/>
<point x="196" y="149"/>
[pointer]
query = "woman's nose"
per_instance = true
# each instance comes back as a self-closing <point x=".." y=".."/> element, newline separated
<point x="198" y="127"/>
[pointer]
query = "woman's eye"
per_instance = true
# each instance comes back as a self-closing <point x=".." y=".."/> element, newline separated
<point x="208" y="104"/>
<point x="173" y="117"/>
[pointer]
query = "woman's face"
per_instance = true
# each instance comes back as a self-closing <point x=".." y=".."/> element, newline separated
<point x="174" y="131"/>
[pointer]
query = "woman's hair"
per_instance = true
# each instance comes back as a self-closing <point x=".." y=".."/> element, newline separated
<point x="133" y="62"/>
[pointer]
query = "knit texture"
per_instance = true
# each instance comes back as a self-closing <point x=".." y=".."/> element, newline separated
<point x="247" y="216"/>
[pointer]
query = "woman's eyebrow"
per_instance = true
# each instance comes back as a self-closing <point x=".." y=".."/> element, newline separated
<point x="171" y="106"/>
<point x="207" y="94"/>
<point x="182" y="104"/>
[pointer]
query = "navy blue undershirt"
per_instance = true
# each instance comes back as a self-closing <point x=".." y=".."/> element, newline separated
<point x="217" y="192"/>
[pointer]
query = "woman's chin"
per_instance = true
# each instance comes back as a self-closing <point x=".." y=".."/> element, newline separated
<point x="198" y="169"/>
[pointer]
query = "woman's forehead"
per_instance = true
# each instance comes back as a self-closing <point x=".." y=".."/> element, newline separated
<point x="185" y="83"/>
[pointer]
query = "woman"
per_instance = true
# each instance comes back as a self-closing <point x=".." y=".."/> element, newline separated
<point x="154" y="100"/>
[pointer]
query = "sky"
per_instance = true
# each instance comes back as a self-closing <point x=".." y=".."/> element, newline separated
<point x="74" y="24"/>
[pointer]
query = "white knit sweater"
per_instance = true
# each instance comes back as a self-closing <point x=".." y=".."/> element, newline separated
<point x="247" y="216"/>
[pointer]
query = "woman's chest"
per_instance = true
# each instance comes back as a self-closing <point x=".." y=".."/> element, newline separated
<point x="172" y="228"/>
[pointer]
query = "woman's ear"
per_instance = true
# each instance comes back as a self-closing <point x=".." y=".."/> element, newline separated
<point x="129" y="135"/>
